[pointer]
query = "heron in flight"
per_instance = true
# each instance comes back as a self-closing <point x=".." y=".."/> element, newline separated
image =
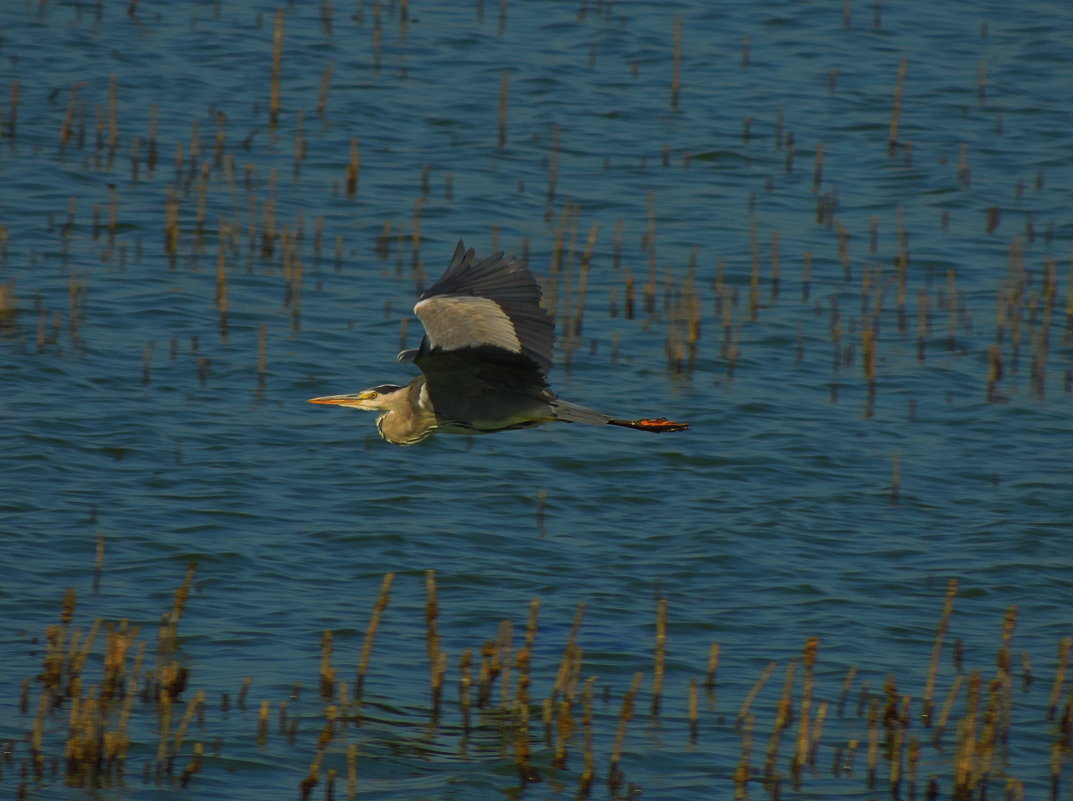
<point x="484" y="360"/>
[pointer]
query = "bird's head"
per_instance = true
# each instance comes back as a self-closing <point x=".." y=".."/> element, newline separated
<point x="376" y="399"/>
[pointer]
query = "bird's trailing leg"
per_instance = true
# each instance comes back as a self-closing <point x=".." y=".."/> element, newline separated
<point x="656" y="424"/>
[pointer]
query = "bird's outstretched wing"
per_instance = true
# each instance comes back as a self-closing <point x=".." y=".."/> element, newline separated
<point x="491" y="303"/>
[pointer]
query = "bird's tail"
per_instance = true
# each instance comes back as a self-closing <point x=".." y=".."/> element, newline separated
<point x="572" y="413"/>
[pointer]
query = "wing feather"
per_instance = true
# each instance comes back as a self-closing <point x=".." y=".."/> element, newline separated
<point x="493" y="302"/>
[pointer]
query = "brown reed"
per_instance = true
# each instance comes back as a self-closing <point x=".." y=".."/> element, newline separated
<point x="353" y="168"/>
<point x="713" y="666"/>
<point x="754" y="273"/>
<point x="327" y="671"/>
<point x="676" y="63"/>
<point x="277" y="58"/>
<point x="13" y="110"/>
<point x="801" y="745"/>
<point x="615" y="776"/>
<point x="896" y="107"/>
<point x="742" y="771"/>
<point x="660" y="655"/>
<point x="743" y="712"/>
<point x="98" y="717"/>
<point x="325" y="84"/>
<point x="432" y="638"/>
<point x="1065" y="647"/>
<point x="504" y="90"/>
<point x="783" y="717"/>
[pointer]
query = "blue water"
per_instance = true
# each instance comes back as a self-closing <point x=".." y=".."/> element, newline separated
<point x="795" y="506"/>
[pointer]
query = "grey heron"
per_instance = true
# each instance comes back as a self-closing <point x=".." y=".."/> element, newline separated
<point x="484" y="360"/>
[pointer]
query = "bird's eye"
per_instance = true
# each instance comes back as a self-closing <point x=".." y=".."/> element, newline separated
<point x="373" y="395"/>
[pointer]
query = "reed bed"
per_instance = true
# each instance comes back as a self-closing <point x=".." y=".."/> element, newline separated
<point x="111" y="705"/>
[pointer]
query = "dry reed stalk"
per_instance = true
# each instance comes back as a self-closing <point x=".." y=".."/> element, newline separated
<point x="531" y="623"/>
<point x="783" y="716"/>
<point x="843" y="250"/>
<point x="868" y="363"/>
<point x="750" y="697"/>
<point x="965" y="760"/>
<point x="801" y="745"/>
<point x="676" y="64"/>
<point x="244" y="692"/>
<point x="200" y="208"/>
<point x="325" y="83"/>
<point x="113" y="113"/>
<point x="327" y="672"/>
<point x="614" y="774"/>
<point x="192" y="707"/>
<point x="660" y="655"/>
<point x="588" y="769"/>
<point x="741" y="772"/>
<point x="922" y="323"/>
<point x="504" y="646"/>
<point x="432" y="637"/>
<point x="1065" y="646"/>
<point x="849" y="757"/>
<point x="1004" y="680"/>
<point x="873" y="741"/>
<point x="171" y="225"/>
<point x="952" y="310"/>
<point x="896" y="107"/>
<point x="504" y="91"/>
<point x="262" y="354"/>
<point x="520" y="715"/>
<point x="553" y="172"/>
<point x="713" y="666"/>
<point x="564" y="730"/>
<point x="583" y="279"/>
<point x="817" y="731"/>
<point x="352" y="772"/>
<point x="1057" y="758"/>
<point x="68" y="118"/>
<point x="221" y="278"/>
<point x="415" y="245"/>
<point x="944" y="714"/>
<point x="465" y="684"/>
<point x="13" y="110"/>
<point x="277" y="58"/>
<point x="693" y="710"/>
<point x="263" y="713"/>
<point x="650" y="246"/>
<point x="566" y="664"/>
<point x="542" y="499"/>
<point x="964" y="172"/>
<point x="754" y="273"/>
<point x="817" y="170"/>
<point x="775" y="274"/>
<point x="353" y="168"/>
<point x="299" y="143"/>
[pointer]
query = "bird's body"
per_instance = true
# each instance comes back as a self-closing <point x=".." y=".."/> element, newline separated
<point x="484" y="360"/>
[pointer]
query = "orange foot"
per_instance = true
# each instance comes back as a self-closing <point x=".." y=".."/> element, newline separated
<point x="657" y="424"/>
